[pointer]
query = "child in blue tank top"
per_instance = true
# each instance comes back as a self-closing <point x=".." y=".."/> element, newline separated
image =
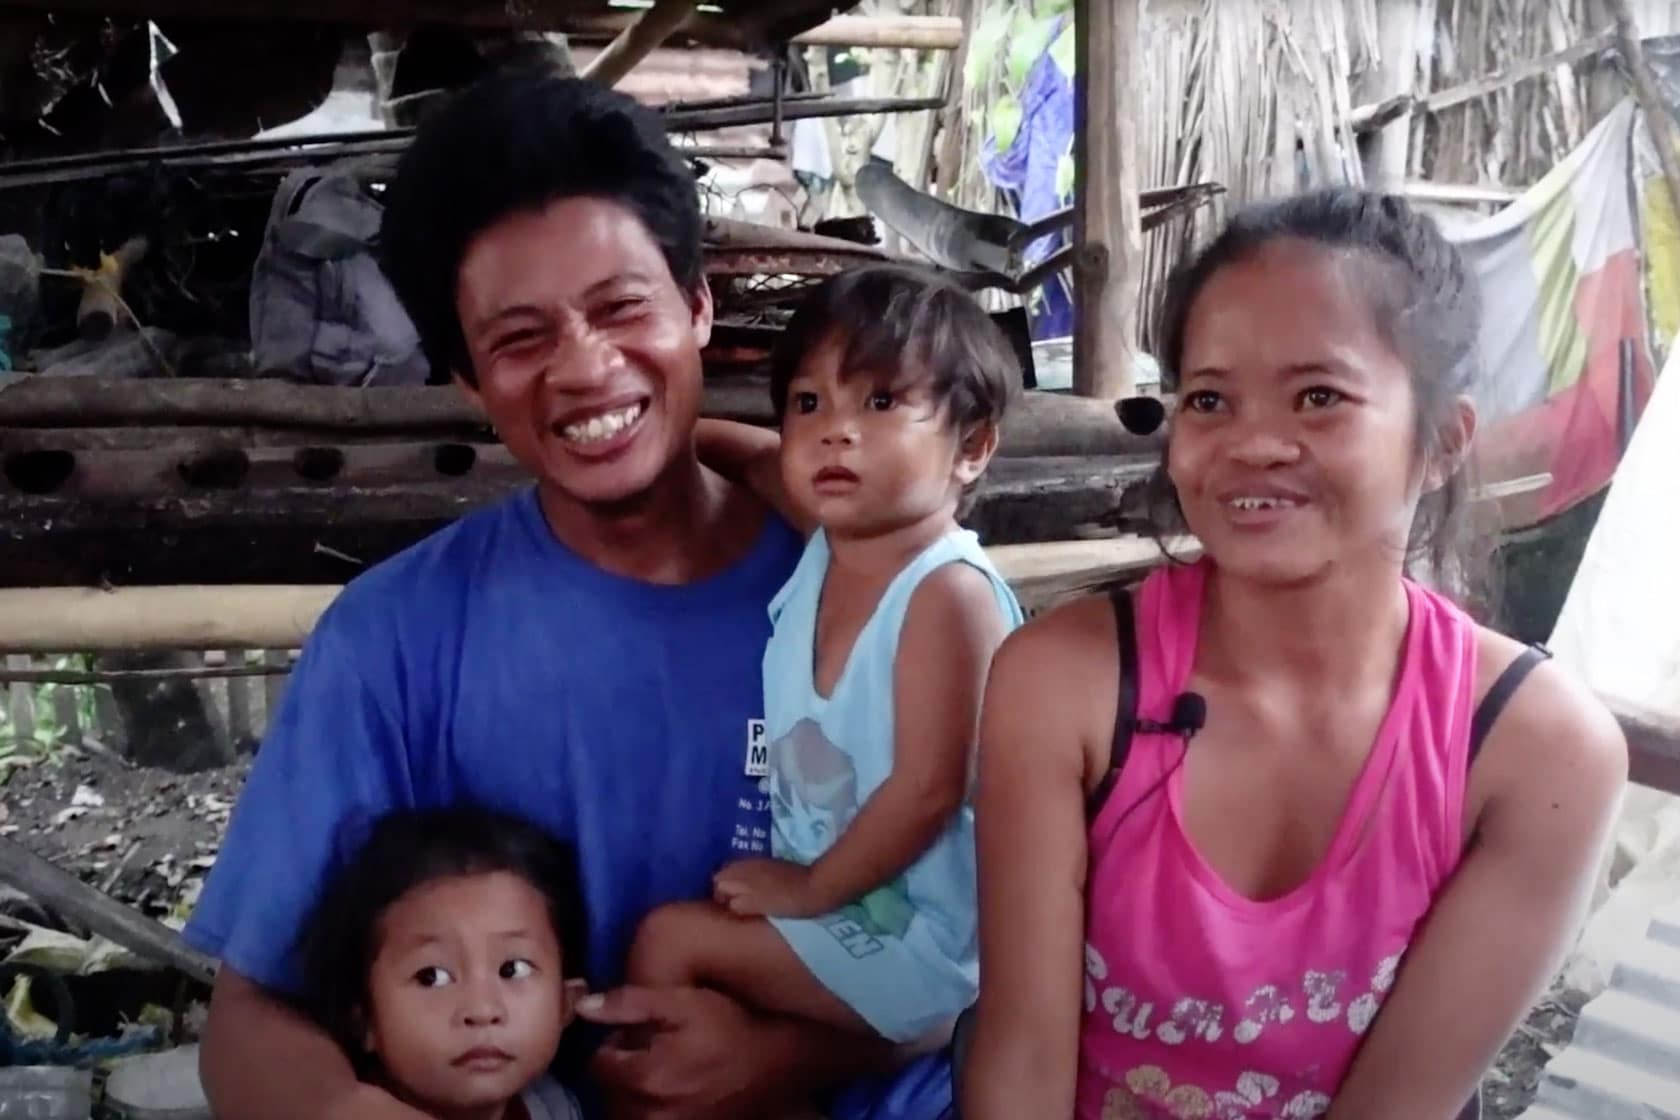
<point x="890" y="385"/>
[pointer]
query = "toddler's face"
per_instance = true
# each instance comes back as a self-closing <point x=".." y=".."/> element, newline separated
<point x="864" y="456"/>
<point x="466" y="997"/>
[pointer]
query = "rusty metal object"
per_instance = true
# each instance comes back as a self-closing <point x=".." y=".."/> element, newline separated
<point x="989" y="250"/>
<point x="735" y="248"/>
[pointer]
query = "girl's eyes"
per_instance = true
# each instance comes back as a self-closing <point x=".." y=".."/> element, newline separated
<point x="805" y="402"/>
<point x="434" y="977"/>
<point x="881" y="400"/>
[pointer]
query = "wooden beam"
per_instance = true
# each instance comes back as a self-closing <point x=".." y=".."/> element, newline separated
<point x="1039" y="424"/>
<point x="581" y="20"/>
<point x="1656" y="111"/>
<point x="1653" y="743"/>
<point x="646" y="32"/>
<point x="1459" y="193"/>
<point x="1521" y="72"/>
<point x="1108" y="239"/>
<point x="928" y="33"/>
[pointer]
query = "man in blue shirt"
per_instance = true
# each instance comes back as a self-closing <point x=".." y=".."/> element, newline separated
<point x="586" y="653"/>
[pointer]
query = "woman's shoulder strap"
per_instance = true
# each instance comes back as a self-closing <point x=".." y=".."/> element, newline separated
<point x="1500" y="695"/>
<point x="1126" y="703"/>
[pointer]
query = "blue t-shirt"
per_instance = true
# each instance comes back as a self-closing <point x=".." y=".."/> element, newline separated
<point x="490" y="664"/>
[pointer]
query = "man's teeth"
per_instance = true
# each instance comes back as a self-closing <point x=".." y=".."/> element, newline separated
<point x="1263" y="503"/>
<point x="605" y="426"/>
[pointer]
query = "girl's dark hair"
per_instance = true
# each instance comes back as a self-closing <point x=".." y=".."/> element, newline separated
<point x="900" y="318"/>
<point x="519" y="140"/>
<point x="404" y="850"/>
<point x="1428" y="308"/>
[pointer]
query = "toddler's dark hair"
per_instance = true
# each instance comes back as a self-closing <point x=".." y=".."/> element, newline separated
<point x="896" y="318"/>
<point x="1427" y="306"/>
<point x="406" y="849"/>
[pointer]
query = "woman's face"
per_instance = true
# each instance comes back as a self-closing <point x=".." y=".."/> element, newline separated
<point x="1293" y="443"/>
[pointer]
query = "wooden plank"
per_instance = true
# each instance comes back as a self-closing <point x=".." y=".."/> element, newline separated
<point x="1653" y="741"/>
<point x="1108" y="238"/>
<point x="239" y="702"/>
<point x="889" y="32"/>
<point x="68" y="712"/>
<point x="1521" y="72"/>
<point x="22" y="706"/>
<point x="1459" y="193"/>
<point x="275" y="686"/>
<point x="644" y="35"/>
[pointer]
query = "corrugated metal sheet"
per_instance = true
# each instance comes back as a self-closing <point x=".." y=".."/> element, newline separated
<point x="1624" y="1062"/>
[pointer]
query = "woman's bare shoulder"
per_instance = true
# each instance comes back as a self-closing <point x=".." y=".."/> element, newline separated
<point x="1062" y="650"/>
<point x="1553" y="730"/>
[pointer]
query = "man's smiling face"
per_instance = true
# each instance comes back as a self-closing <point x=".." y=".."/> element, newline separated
<point x="585" y="348"/>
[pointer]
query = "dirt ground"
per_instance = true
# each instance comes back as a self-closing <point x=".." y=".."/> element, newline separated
<point x="147" y="837"/>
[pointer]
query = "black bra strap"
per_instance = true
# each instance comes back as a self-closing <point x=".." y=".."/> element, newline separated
<point x="1500" y="695"/>
<point x="1125" y="707"/>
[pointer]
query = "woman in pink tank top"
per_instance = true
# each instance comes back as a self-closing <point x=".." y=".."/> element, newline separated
<point x="1247" y="846"/>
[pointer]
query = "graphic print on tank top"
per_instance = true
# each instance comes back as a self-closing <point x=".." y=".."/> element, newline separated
<point x="1317" y="1002"/>
<point x="814" y="798"/>
<point x="1203" y="1004"/>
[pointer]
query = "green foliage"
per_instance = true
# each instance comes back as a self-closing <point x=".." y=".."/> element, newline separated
<point x="50" y="733"/>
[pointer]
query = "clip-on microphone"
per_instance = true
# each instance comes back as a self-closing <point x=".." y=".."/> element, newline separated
<point x="1189" y="715"/>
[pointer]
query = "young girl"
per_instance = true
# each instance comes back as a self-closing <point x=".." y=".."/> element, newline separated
<point x="890" y="385"/>
<point x="438" y="961"/>
<point x="1342" y="888"/>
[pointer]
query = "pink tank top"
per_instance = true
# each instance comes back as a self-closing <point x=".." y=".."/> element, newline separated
<point x="1200" y="1002"/>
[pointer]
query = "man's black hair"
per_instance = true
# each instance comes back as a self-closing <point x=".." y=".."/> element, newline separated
<point x="406" y="849"/>
<point x="517" y="141"/>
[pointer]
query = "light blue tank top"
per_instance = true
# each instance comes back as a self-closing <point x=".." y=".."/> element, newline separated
<point x="827" y="756"/>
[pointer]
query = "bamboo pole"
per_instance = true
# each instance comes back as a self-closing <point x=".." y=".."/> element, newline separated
<point x="56" y="619"/>
<point x="1657" y="117"/>
<point x="1108" y="236"/>
<point x="278" y="616"/>
<point x="644" y="35"/>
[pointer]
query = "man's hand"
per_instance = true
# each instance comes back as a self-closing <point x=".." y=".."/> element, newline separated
<point x="684" y="1054"/>
<point x="770" y="888"/>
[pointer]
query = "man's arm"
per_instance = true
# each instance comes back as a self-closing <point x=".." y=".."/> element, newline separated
<point x="332" y="753"/>
<point x="751" y="456"/>
<point x="950" y="631"/>
<point x="255" y="1046"/>
<point x="706" y="1058"/>
<point x="1553" y="770"/>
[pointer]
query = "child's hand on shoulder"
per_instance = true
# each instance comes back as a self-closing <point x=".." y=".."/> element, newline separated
<point x="769" y="888"/>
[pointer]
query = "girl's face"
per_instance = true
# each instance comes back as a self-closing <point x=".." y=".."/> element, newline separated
<point x="1293" y="445"/>
<point x="865" y="456"/>
<point x="466" y="998"/>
